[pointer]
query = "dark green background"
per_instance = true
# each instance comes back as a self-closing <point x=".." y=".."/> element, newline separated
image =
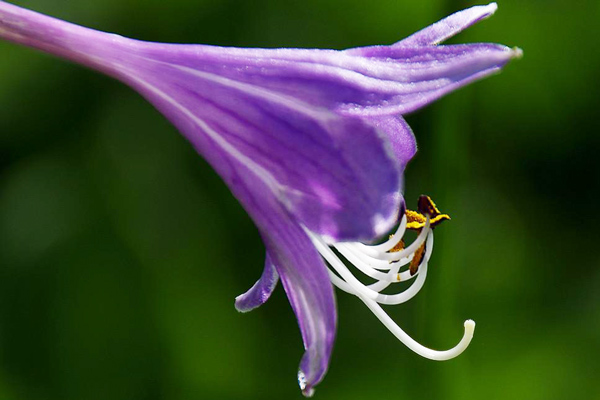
<point x="121" y="251"/>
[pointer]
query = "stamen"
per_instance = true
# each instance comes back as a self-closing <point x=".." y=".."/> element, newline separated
<point x="362" y="266"/>
<point x="383" y="262"/>
<point x="397" y="256"/>
<point x="370" y="261"/>
<point x="350" y="284"/>
<point x="398" y="247"/>
<point x="426" y="206"/>
<point x="414" y="263"/>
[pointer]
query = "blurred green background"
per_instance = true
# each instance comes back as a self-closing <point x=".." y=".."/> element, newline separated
<point x="121" y="251"/>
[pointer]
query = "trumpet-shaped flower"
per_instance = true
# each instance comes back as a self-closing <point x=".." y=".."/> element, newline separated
<point x="311" y="142"/>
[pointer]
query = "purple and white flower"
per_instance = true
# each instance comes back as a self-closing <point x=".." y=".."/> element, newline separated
<point x="311" y="142"/>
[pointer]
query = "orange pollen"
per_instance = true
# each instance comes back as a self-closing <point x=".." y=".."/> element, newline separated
<point x="398" y="247"/>
<point x="417" y="258"/>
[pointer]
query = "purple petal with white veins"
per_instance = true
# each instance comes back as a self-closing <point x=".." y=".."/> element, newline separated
<point x="287" y="110"/>
<point x="258" y="294"/>
<point x="298" y="264"/>
<point x="306" y="283"/>
<point x="366" y="81"/>
<point x="317" y="162"/>
<point x="448" y="27"/>
<point x="400" y="80"/>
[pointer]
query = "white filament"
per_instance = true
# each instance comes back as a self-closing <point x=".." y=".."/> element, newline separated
<point x="378" y="263"/>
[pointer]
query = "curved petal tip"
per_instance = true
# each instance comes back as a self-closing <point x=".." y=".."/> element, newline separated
<point x="261" y="291"/>
<point x="307" y="389"/>
<point x="517" y="53"/>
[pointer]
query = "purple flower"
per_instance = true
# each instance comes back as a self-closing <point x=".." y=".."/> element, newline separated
<point x="311" y="142"/>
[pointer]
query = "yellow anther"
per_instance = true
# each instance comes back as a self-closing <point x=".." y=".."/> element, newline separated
<point x="416" y="220"/>
<point x="426" y="206"/>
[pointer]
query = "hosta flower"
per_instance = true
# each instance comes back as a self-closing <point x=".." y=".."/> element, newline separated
<point x="311" y="142"/>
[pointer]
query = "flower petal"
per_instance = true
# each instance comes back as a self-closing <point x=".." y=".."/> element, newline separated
<point x="306" y="282"/>
<point x="367" y="81"/>
<point x="286" y="110"/>
<point x="448" y="27"/>
<point x="298" y="264"/>
<point x="260" y="292"/>
<point x="401" y="136"/>
<point x="318" y="164"/>
<point x="401" y="80"/>
<point x="94" y="49"/>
